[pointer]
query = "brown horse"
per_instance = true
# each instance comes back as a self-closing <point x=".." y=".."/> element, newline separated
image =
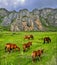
<point x="28" y="37"/>
<point x="26" y="46"/>
<point x="47" y="39"/>
<point x="10" y="46"/>
<point x="36" y="54"/>
<point x="29" y="43"/>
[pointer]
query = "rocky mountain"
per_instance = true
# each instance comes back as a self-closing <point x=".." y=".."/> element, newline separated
<point x="24" y="20"/>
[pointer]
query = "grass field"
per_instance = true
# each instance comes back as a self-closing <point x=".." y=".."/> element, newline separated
<point x="24" y="58"/>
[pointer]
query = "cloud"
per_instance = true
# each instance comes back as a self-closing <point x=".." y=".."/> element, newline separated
<point x="29" y="4"/>
<point x="9" y="4"/>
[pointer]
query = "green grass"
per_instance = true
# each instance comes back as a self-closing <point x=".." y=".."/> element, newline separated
<point x="14" y="58"/>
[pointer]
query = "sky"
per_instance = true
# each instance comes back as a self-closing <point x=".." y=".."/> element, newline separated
<point x="27" y="4"/>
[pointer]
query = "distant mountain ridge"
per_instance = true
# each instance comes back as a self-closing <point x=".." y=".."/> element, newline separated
<point x="24" y="20"/>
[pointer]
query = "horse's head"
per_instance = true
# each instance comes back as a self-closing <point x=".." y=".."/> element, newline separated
<point x="32" y="36"/>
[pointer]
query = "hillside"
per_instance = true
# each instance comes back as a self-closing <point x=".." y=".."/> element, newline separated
<point x="24" y="20"/>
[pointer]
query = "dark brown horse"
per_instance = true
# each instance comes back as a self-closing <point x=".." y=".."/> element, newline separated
<point x="36" y="54"/>
<point x="26" y="46"/>
<point x="31" y="36"/>
<point x="10" y="46"/>
<point x="28" y="37"/>
<point x="47" y="39"/>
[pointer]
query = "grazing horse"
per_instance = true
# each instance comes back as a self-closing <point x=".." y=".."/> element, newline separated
<point x="36" y="54"/>
<point x="26" y="46"/>
<point x="31" y="36"/>
<point x="10" y="46"/>
<point x="47" y="39"/>
<point x="29" y="43"/>
<point x="28" y="37"/>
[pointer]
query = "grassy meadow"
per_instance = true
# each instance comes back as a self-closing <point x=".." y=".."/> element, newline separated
<point x="24" y="58"/>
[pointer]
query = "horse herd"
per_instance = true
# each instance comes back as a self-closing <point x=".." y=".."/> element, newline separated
<point x="25" y="46"/>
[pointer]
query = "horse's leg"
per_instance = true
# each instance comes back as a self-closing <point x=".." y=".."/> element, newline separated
<point x="39" y="56"/>
<point x="24" y="50"/>
<point x="50" y="40"/>
<point x="9" y="50"/>
<point x="44" y="41"/>
<point x="33" y="59"/>
<point x="5" y="49"/>
<point x="47" y="41"/>
<point x="14" y="49"/>
<point x="32" y="37"/>
<point x="28" y="38"/>
<point x="28" y="47"/>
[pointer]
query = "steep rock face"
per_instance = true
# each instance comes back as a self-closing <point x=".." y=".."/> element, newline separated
<point x="50" y="16"/>
<point x="24" y="13"/>
<point x="39" y="24"/>
<point x="8" y="19"/>
<point x="45" y="12"/>
<point x="26" y="21"/>
<point x="36" y="12"/>
<point x="3" y="12"/>
<point x="26" y="24"/>
<point x="37" y="20"/>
